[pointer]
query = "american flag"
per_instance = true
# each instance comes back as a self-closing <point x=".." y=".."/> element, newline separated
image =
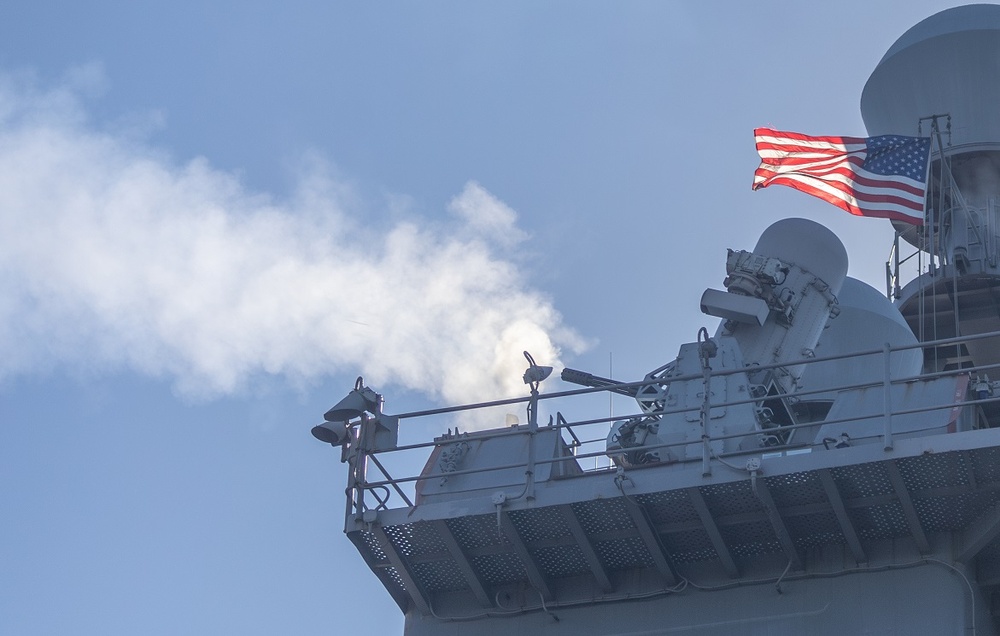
<point x="883" y="176"/>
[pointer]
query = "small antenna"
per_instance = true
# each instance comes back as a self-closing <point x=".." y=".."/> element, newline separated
<point x="611" y="394"/>
<point x="611" y="374"/>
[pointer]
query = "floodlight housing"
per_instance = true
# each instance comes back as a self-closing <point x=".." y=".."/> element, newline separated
<point x="336" y="433"/>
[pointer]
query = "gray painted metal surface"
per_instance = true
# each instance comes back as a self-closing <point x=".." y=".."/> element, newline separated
<point x="800" y="472"/>
<point x="946" y="64"/>
<point x="858" y="522"/>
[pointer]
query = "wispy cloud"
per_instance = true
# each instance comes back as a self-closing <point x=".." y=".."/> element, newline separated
<point x="111" y="255"/>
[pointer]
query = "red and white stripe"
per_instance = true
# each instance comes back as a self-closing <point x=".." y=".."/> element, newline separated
<point x="831" y="168"/>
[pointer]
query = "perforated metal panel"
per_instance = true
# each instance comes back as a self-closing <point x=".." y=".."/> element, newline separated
<point x="539" y="524"/>
<point x="862" y="480"/>
<point x="439" y="575"/>
<point x="371" y="544"/>
<point x="813" y="531"/>
<point x="689" y="546"/>
<point x="476" y="532"/>
<point x="947" y="491"/>
<point x="668" y="507"/>
<point x="796" y="489"/>
<point x="622" y="554"/>
<point x="560" y="560"/>
<point x="496" y="569"/>
<point x="938" y="470"/>
<point x="368" y="544"/>
<point x="986" y="464"/>
<point x="731" y="498"/>
<point x="415" y="539"/>
<point x="885" y="521"/>
<point x="602" y="515"/>
<point x="751" y="538"/>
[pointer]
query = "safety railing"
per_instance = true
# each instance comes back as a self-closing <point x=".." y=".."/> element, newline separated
<point x="373" y="487"/>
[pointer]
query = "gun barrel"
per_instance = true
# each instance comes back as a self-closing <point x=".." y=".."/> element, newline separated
<point x="583" y="378"/>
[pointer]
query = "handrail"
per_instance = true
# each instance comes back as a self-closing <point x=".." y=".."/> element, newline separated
<point x="361" y="486"/>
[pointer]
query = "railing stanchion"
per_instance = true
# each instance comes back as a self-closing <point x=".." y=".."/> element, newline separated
<point x="887" y="399"/>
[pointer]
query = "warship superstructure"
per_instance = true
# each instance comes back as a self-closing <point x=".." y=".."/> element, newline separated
<point x="826" y="462"/>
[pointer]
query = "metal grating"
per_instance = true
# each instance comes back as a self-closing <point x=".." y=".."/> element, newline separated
<point x="374" y="549"/>
<point x="812" y="531"/>
<point x="953" y="512"/>
<point x="621" y="554"/>
<point x="539" y="524"/>
<point x="748" y="539"/>
<point x="497" y="569"/>
<point x="689" y="546"/>
<point x="986" y="465"/>
<point x="439" y="576"/>
<point x="377" y="560"/>
<point x="603" y="515"/>
<point x="948" y="492"/>
<point x="475" y="532"/>
<point x="397" y="579"/>
<point x="415" y="539"/>
<point x="940" y="513"/>
<point x="796" y="489"/>
<point x="939" y="470"/>
<point x="862" y="480"/>
<point x="886" y="521"/>
<point x="731" y="498"/>
<point x="672" y="506"/>
<point x="564" y="560"/>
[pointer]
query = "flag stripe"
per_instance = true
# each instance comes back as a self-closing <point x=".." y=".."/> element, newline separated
<point x="866" y="195"/>
<point x="879" y="176"/>
<point x="849" y="204"/>
<point x="848" y="189"/>
<point x="861" y="179"/>
<point x="784" y="136"/>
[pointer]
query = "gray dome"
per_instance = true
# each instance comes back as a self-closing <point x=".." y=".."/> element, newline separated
<point x="946" y="64"/>
<point x="972" y="17"/>
<point x="866" y="322"/>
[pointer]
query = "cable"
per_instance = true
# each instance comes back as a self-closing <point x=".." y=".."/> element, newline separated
<point x="545" y="609"/>
<point x="739" y="469"/>
<point x="777" y="584"/>
<point x="968" y="584"/>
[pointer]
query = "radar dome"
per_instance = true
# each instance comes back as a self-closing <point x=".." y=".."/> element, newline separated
<point x="947" y="64"/>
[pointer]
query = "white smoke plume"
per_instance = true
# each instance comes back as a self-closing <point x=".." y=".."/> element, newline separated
<point x="112" y="256"/>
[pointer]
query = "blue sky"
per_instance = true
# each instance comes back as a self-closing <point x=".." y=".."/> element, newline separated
<point x="213" y="218"/>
